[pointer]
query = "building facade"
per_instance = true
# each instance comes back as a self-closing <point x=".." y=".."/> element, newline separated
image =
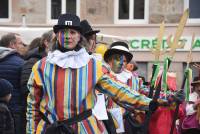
<point x="136" y="21"/>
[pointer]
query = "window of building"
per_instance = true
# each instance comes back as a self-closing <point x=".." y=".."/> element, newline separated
<point x="5" y="10"/>
<point x="131" y="11"/>
<point x="57" y="7"/>
<point x="194" y="10"/>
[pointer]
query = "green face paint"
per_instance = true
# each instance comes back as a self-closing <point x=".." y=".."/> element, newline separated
<point x="66" y="44"/>
<point x="117" y="63"/>
<point x="63" y="36"/>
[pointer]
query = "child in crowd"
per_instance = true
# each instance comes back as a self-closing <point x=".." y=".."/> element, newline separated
<point x="6" y="120"/>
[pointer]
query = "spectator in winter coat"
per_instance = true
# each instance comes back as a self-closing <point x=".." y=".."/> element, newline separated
<point x="34" y="54"/>
<point x="15" y="42"/>
<point x="6" y="119"/>
<point x="10" y="69"/>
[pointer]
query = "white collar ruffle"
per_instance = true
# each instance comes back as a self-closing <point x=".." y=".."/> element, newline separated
<point x="70" y="59"/>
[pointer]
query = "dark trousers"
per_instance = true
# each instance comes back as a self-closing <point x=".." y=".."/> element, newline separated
<point x="109" y="124"/>
<point x="19" y="122"/>
<point x="192" y="131"/>
<point x="131" y="125"/>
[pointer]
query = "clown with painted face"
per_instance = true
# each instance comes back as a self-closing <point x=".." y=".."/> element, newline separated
<point x="62" y="85"/>
<point x="117" y="57"/>
<point x="68" y="33"/>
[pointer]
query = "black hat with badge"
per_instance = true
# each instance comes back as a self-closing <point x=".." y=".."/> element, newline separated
<point x="118" y="47"/>
<point x="87" y="29"/>
<point x="67" y="21"/>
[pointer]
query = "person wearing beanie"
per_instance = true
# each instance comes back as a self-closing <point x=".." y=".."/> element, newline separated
<point x="62" y="86"/>
<point x="6" y="120"/>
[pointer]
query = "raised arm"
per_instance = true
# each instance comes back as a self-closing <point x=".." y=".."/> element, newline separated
<point x="33" y="100"/>
<point x="122" y="93"/>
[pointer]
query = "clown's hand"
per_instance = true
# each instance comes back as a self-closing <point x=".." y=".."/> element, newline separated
<point x="153" y="105"/>
<point x="179" y="96"/>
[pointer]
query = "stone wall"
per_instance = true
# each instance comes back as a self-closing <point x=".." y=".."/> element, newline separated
<point x="168" y="10"/>
<point x="97" y="11"/>
<point x="35" y="11"/>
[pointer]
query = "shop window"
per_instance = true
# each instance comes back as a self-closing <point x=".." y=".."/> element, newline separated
<point x="57" y="7"/>
<point x="131" y="11"/>
<point x="194" y="10"/>
<point x="4" y="10"/>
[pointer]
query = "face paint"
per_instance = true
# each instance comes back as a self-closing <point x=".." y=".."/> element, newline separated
<point x="62" y="35"/>
<point x="65" y="37"/>
<point x="117" y="63"/>
<point x="125" y="62"/>
<point x="68" y="38"/>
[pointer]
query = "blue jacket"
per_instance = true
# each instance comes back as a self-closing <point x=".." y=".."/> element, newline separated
<point x="10" y="69"/>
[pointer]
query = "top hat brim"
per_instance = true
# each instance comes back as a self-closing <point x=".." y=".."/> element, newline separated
<point x="110" y="52"/>
<point x="195" y="83"/>
<point x="56" y="28"/>
<point x="91" y="32"/>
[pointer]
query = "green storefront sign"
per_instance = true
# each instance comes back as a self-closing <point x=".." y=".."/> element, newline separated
<point x="142" y="43"/>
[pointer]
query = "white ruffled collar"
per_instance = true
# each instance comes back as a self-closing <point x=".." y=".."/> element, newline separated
<point x="70" y="59"/>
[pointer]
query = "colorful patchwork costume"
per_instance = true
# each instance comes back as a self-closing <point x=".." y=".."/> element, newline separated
<point x="64" y="92"/>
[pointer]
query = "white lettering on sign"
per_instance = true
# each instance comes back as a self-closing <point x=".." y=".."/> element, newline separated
<point x="145" y="43"/>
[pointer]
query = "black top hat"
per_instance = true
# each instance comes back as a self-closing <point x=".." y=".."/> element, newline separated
<point x="67" y="21"/>
<point x="195" y="81"/>
<point x="5" y="87"/>
<point x="87" y="29"/>
<point x="118" y="47"/>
